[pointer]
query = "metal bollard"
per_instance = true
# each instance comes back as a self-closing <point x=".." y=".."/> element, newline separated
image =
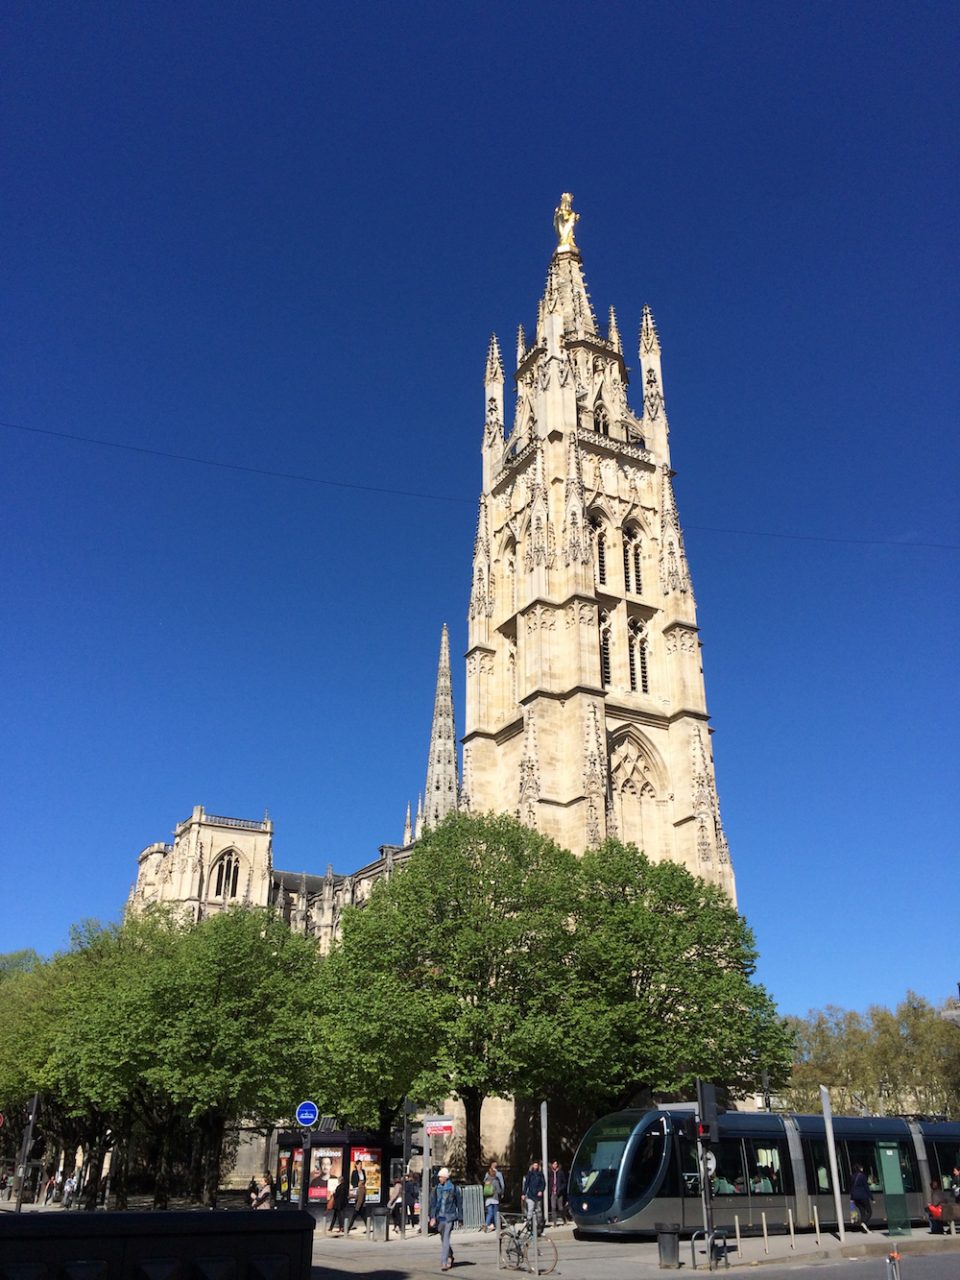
<point x="816" y="1223"/>
<point x="793" y="1238"/>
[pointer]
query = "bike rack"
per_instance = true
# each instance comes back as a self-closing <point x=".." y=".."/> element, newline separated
<point x="713" y="1240"/>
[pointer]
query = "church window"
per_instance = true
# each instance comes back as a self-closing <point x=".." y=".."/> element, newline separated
<point x="228" y="872"/>
<point x="637" y="655"/>
<point x="632" y="579"/>
<point x="600" y="543"/>
<point x="605" y="648"/>
<point x="601" y="422"/>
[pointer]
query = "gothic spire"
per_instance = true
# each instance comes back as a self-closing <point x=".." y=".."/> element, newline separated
<point x="494" y="372"/>
<point x="418" y="825"/>
<point x="674" y="573"/>
<point x="566" y="292"/>
<point x="407" y="829"/>
<point x="649" y="338"/>
<point x="521" y="345"/>
<point x="613" y="333"/>
<point x="441" y="790"/>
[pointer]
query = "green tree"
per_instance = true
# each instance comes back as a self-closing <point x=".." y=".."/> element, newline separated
<point x="449" y="979"/>
<point x="900" y="1061"/>
<point x="237" y="1039"/>
<point x="13" y="962"/>
<point x="661" y="991"/>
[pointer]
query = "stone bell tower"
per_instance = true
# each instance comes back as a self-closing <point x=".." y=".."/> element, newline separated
<point x="586" y="711"/>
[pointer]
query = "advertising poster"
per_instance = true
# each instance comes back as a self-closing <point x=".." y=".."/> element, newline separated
<point x="283" y="1176"/>
<point x="369" y="1160"/>
<point x="296" y="1168"/>
<point x="326" y="1170"/>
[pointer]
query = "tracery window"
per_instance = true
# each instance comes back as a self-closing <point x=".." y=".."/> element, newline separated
<point x="600" y="549"/>
<point x="637" y="656"/>
<point x="228" y="872"/>
<point x="632" y="572"/>
<point x="601" y="420"/>
<point x="605" y="648"/>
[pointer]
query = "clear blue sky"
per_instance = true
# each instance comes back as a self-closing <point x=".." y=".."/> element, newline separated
<point x="277" y="237"/>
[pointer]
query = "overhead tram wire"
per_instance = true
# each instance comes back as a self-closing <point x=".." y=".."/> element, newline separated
<point x="446" y="497"/>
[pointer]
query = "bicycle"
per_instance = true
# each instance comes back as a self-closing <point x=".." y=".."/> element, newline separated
<point x="517" y="1249"/>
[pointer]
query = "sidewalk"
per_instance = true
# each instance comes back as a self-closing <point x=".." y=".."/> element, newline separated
<point x="476" y="1254"/>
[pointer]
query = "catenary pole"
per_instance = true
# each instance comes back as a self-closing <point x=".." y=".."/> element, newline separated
<point x="832" y="1155"/>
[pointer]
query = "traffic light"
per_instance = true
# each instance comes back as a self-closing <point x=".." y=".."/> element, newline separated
<point x="707" y="1111"/>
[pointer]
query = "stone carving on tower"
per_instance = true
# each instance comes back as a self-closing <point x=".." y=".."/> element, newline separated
<point x="586" y="711"/>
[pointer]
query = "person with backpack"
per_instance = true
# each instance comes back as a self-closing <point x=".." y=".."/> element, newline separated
<point x="446" y="1210"/>
<point x="493" y="1189"/>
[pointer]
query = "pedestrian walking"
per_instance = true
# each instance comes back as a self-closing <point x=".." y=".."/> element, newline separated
<point x="493" y="1189"/>
<point x="446" y="1210"/>
<point x="860" y="1197"/>
<point x="557" y="1193"/>
<point x="338" y="1204"/>
<point x="534" y="1185"/>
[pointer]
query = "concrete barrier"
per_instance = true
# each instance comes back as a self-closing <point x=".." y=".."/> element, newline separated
<point x="242" y="1245"/>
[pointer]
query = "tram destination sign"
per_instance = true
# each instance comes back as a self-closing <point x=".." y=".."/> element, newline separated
<point x="435" y="1126"/>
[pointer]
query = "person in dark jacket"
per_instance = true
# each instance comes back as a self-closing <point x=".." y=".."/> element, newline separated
<point x="446" y="1210"/>
<point x="534" y="1185"/>
<point x="358" y="1197"/>
<point x="338" y="1203"/>
<point x="860" y="1196"/>
<point x="557" y="1193"/>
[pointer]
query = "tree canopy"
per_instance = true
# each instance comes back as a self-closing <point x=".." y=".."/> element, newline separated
<point x="498" y="964"/>
<point x="885" y="1062"/>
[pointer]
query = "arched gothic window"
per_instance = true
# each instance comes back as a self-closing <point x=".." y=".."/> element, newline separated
<point x="600" y="549"/>
<point x="637" y="652"/>
<point x="228" y="872"/>
<point x="605" y="648"/>
<point x="632" y="576"/>
<point x="601" y="420"/>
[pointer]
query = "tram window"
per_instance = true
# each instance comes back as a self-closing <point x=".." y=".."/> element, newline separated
<point x="689" y="1166"/>
<point x="908" y="1166"/>
<point x="728" y="1179"/>
<point x="947" y="1155"/>
<point x="644" y="1163"/>
<point x="816" y="1161"/>
<point x="598" y="1160"/>
<point x="865" y="1154"/>
<point x="769" y="1167"/>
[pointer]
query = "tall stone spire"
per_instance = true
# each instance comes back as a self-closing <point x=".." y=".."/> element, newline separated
<point x="407" y="829"/>
<point x="441" y="791"/>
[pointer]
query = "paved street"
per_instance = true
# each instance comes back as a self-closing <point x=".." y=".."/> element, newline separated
<point x="924" y="1257"/>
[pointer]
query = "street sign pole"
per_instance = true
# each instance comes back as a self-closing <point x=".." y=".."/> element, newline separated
<point x="25" y="1147"/>
<point x="407" y="1108"/>
<point x="307" y="1114"/>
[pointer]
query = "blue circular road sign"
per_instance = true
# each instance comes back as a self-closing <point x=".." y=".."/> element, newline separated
<point x="307" y="1113"/>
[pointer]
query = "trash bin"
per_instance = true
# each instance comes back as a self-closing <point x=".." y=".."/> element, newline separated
<point x="380" y="1222"/>
<point x="668" y="1244"/>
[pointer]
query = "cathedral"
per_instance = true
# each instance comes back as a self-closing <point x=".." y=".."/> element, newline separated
<point x="586" y="712"/>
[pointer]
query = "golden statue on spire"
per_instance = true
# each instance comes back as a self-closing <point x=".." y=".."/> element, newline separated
<point x="565" y="221"/>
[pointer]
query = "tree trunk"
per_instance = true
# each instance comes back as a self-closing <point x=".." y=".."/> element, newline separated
<point x="472" y="1100"/>
<point x="92" y="1175"/>
<point x="119" y="1168"/>
<point x="161" y="1187"/>
<point x="213" y="1130"/>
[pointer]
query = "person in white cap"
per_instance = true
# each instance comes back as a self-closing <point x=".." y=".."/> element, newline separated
<point x="446" y="1209"/>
